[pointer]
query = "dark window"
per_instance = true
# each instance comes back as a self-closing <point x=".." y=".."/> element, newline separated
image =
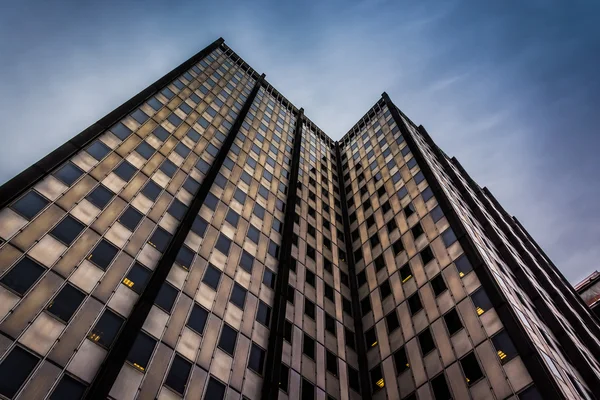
<point x="310" y="278"/>
<point x="161" y="133"/>
<point x="228" y="339"/>
<point x="246" y="261"/>
<point x="197" y="319"/>
<point x="310" y="252"/>
<point x="253" y="234"/>
<point x="23" y="275"/>
<point x="238" y="296"/>
<point x="67" y="230"/>
<point x="212" y="276"/>
<point x="309" y="308"/>
<point x="103" y="254"/>
<point x="438" y="285"/>
<point x="308" y="390"/>
<point x="287" y="331"/>
<point x="98" y="150"/>
<point x="448" y="237"/>
<point x="385" y="289"/>
<point x="401" y="361"/>
<point x="68" y="388"/>
<point x="361" y="278"/>
<point x="504" y="347"/>
<point x="199" y="226"/>
<point x="377" y="381"/>
<point x="371" y="338"/>
<point x="65" y="303"/>
<point x="379" y="263"/>
<point x="256" y="362"/>
<point x="223" y="244"/>
<point x="106" y="328"/>
<point x="140" y="352"/>
<point x="240" y="196"/>
<point x="453" y="322"/>
<point x="329" y="293"/>
<point x="131" y="218"/>
<point x="440" y="388"/>
<point x="15" y="369"/>
<point x="185" y="257"/>
<point x="417" y="230"/>
<point x="232" y="217"/>
<point x="531" y="393"/>
<point x="151" y="190"/>
<point x="405" y="273"/>
<point x="471" y="368"/>
<point x="269" y="278"/>
<point x="332" y="363"/>
<point x="330" y="324"/>
<point x="481" y="301"/>
<point x="166" y="297"/>
<point x="121" y="131"/>
<point x="191" y="185"/>
<point x="291" y="294"/>
<point x="263" y="315"/>
<point x="350" y="340"/>
<point x="308" y="346"/>
<point x="174" y="119"/>
<point x="178" y="374"/>
<point x="100" y="196"/>
<point x="426" y="341"/>
<point x="463" y="265"/>
<point x="353" y="379"/>
<point x="347" y="305"/>
<point x="414" y="304"/>
<point x="182" y="150"/>
<point x="30" y="205"/>
<point x="398" y="246"/>
<point x="177" y="209"/>
<point x="125" y="171"/>
<point x="160" y="239"/>
<point x="137" y="278"/>
<point x="284" y="378"/>
<point x="365" y="305"/>
<point x="409" y="210"/>
<point x="168" y="168"/>
<point x="392" y="321"/>
<point x="436" y="214"/>
<point x="68" y="173"/>
<point x="145" y="150"/>
<point x="426" y="255"/>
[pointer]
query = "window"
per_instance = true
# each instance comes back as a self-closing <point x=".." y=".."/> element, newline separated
<point x="185" y="256"/>
<point x="471" y="368"/>
<point x="409" y="210"/>
<point x="310" y="277"/>
<point x="463" y="265"/>
<point x="100" y="196"/>
<point x="330" y="324"/>
<point x="191" y="185"/>
<point x="137" y="278"/>
<point x="481" y="301"/>
<point x="377" y="381"/>
<point x="238" y="296"/>
<point x="332" y="363"/>
<point x="177" y="209"/>
<point x="361" y="278"/>
<point x="308" y="346"/>
<point x="259" y="211"/>
<point x="308" y="390"/>
<point x="15" y="369"/>
<point x="284" y="376"/>
<point x="438" y="285"/>
<point x="417" y="230"/>
<point x="253" y="234"/>
<point x="166" y="297"/>
<point x="174" y="119"/>
<point x="168" y="168"/>
<point x="401" y="361"/>
<point x="228" y="339"/>
<point x="246" y="261"/>
<point x="98" y="150"/>
<point x="385" y="289"/>
<point x="269" y="278"/>
<point x="30" y="205"/>
<point x="310" y="252"/>
<point x="22" y="276"/>
<point x="68" y="173"/>
<point x="405" y="273"/>
<point x="426" y="255"/>
<point x="178" y="374"/>
<point x="309" y="308"/>
<point x="353" y="379"/>
<point x="291" y="294"/>
<point x="160" y="239"/>
<point x="199" y="226"/>
<point x="121" y="131"/>
<point x="504" y="347"/>
<point x="223" y="244"/>
<point x="68" y="388"/>
<point x="453" y="322"/>
<point x="103" y="254"/>
<point x="106" y="329"/>
<point x="240" y="196"/>
<point x="151" y="190"/>
<point x="398" y="246"/>
<point x="263" y="315"/>
<point x="139" y="116"/>
<point x="436" y="214"/>
<point x="426" y="342"/>
<point x="329" y="293"/>
<point x="140" y="352"/>
<point x="182" y="150"/>
<point x="197" y="319"/>
<point x="65" y="303"/>
<point x="161" y="133"/>
<point x="256" y="362"/>
<point x="145" y="150"/>
<point x="287" y="331"/>
<point x="131" y="218"/>
<point x="371" y="338"/>
<point x="232" y="217"/>
<point x="212" y="276"/>
<point x="125" y="171"/>
<point x="67" y="230"/>
<point x="448" y="237"/>
<point x="531" y="393"/>
<point x="392" y="321"/>
<point x="379" y="263"/>
<point x="365" y="305"/>
<point x="440" y="388"/>
<point x="414" y="304"/>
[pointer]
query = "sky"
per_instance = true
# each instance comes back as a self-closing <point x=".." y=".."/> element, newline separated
<point x="510" y="88"/>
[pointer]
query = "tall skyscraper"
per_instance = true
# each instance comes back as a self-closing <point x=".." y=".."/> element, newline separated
<point x="206" y="240"/>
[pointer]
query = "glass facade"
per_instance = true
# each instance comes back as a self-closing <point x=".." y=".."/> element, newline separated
<point x="147" y="261"/>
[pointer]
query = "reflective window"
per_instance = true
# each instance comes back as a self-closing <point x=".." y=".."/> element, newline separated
<point x="22" y="276"/>
<point x="100" y="196"/>
<point x="228" y="339"/>
<point x="131" y="218"/>
<point x="15" y="369"/>
<point x="67" y="230"/>
<point x="68" y="173"/>
<point x="197" y="319"/>
<point x="30" y="205"/>
<point x="103" y="254"/>
<point x="137" y="278"/>
<point x="166" y="297"/>
<point x="106" y="329"/>
<point x="257" y="359"/>
<point x="68" y="388"/>
<point x="140" y="352"/>
<point x="178" y="374"/>
<point x="66" y="302"/>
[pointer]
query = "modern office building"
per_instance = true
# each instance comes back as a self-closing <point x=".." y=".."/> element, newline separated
<point x="206" y="240"/>
<point x="589" y="290"/>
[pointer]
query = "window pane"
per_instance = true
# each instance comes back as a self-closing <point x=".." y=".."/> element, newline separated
<point x="212" y="276"/>
<point x="125" y="171"/>
<point x="257" y="359"/>
<point x="30" y="204"/>
<point x="178" y="374"/>
<point x="263" y="315"/>
<point x="106" y="328"/>
<point x="98" y="150"/>
<point x="228" y="339"/>
<point x="215" y="390"/>
<point x="68" y="388"/>
<point x="14" y="370"/>
<point x="160" y="239"/>
<point x="238" y="296"/>
<point x="197" y="319"/>
<point x="103" y="254"/>
<point x="131" y="218"/>
<point x="137" y="278"/>
<point x="140" y="352"/>
<point x="66" y="303"/>
<point x="67" y="230"/>
<point x="166" y="297"/>
<point x="100" y="197"/>
<point x="23" y="275"/>
<point x="68" y="173"/>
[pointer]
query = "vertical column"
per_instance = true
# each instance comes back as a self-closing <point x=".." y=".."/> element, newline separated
<point x="536" y="367"/>
<point x="270" y="389"/>
<point x="109" y="370"/>
<point x="361" y="350"/>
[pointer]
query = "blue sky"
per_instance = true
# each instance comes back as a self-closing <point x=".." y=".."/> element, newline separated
<point x="510" y="88"/>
